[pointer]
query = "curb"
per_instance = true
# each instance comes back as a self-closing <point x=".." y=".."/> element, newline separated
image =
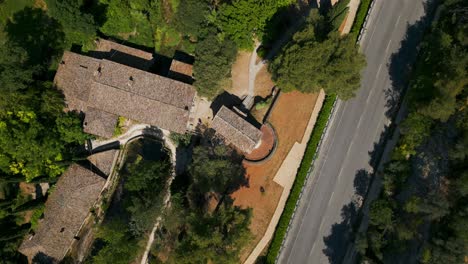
<point x="325" y="131"/>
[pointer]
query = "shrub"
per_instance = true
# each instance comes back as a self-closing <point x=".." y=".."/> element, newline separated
<point x="301" y="176"/>
<point x="119" y="127"/>
<point x="37" y="214"/>
<point x="360" y="16"/>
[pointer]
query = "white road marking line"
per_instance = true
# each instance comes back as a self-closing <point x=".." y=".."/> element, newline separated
<point x="373" y="83"/>
<point x="388" y="46"/>
<point x="398" y="20"/>
<point x="331" y="198"/>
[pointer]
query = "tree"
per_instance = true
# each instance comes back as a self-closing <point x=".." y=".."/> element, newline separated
<point x="79" y="27"/>
<point x="14" y="74"/>
<point x="38" y="34"/>
<point x="309" y="64"/>
<point x="381" y="214"/>
<point x="190" y="17"/>
<point x="215" y="170"/>
<point x="415" y="129"/>
<point x="145" y="184"/>
<point x="147" y="177"/>
<point x="241" y="20"/>
<point x="119" y="246"/>
<point x="216" y="238"/>
<point x="131" y="19"/>
<point x="212" y="66"/>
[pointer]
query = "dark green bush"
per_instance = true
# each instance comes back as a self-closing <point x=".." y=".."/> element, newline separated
<point x="360" y="16"/>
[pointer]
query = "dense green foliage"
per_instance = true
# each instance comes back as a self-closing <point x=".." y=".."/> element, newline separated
<point x="202" y="225"/>
<point x="422" y="209"/>
<point x="119" y="247"/>
<point x="190" y="18"/>
<point x="299" y="182"/>
<point x="79" y="26"/>
<point x="318" y="59"/>
<point x="37" y="139"/>
<point x="242" y="20"/>
<point x="213" y="64"/>
<point x="144" y="187"/>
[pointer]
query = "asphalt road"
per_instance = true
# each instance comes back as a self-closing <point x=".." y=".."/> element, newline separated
<point x="319" y="231"/>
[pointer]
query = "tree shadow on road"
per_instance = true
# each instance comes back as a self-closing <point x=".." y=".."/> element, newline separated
<point x="341" y="233"/>
<point x="401" y="62"/>
<point x="400" y="65"/>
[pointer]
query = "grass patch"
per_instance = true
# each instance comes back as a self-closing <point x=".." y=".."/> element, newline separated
<point x="311" y="149"/>
<point x="119" y="127"/>
<point x="37" y="214"/>
<point x="9" y="7"/>
<point x="360" y="17"/>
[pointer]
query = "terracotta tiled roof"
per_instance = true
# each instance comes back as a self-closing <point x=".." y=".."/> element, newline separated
<point x="124" y="91"/>
<point x="65" y="211"/>
<point x="181" y="71"/>
<point x="104" y="160"/>
<point x="129" y="56"/>
<point x="236" y="130"/>
<point x="100" y="123"/>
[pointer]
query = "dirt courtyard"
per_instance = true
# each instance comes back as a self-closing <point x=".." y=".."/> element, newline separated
<point x="240" y="74"/>
<point x="292" y="110"/>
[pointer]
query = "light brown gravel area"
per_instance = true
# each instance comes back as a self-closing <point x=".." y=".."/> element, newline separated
<point x="240" y="74"/>
<point x="292" y="110"/>
<point x="263" y="83"/>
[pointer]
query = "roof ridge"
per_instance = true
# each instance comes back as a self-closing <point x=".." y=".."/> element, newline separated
<point x="237" y="129"/>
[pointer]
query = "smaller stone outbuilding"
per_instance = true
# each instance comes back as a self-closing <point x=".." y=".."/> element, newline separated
<point x="65" y="211"/>
<point x="122" y="54"/>
<point x="236" y="130"/>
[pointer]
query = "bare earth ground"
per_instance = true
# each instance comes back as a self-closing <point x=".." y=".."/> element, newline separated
<point x="263" y="83"/>
<point x="240" y="74"/>
<point x="292" y="110"/>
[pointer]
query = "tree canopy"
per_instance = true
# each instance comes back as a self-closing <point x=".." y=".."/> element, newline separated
<point x="312" y="62"/>
<point x="79" y="26"/>
<point x="242" y="20"/>
<point x="423" y="202"/>
<point x="213" y="64"/>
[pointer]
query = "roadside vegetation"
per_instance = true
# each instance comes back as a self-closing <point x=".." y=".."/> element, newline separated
<point x="361" y="14"/>
<point x="319" y="58"/>
<point x="422" y="210"/>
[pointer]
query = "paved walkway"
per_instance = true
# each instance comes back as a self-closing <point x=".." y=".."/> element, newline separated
<point x="285" y="177"/>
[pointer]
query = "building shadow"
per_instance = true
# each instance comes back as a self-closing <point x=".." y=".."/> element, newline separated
<point x="225" y="99"/>
<point x="325" y="6"/>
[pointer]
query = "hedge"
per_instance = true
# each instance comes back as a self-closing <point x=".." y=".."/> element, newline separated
<point x="360" y="16"/>
<point x="299" y="182"/>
